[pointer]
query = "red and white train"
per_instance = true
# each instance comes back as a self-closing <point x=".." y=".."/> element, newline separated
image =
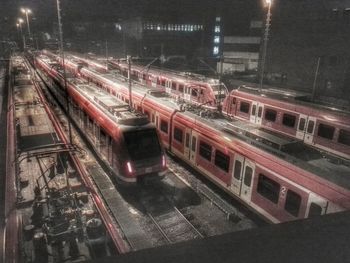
<point x="321" y="127"/>
<point x="187" y="87"/>
<point x="280" y="185"/>
<point x="125" y="140"/>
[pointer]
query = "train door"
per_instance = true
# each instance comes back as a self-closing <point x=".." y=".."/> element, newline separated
<point x="257" y="112"/>
<point x="254" y="112"/>
<point x="301" y="126"/>
<point x="168" y="86"/>
<point x="190" y="145"/>
<point x="248" y="173"/>
<point x="187" y="148"/>
<point x="236" y="180"/>
<point x="187" y="94"/>
<point x="153" y="81"/>
<point x="310" y="129"/>
<point x="242" y="179"/>
<point x="316" y="206"/>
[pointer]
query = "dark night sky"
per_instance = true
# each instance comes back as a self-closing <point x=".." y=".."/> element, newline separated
<point x="44" y="11"/>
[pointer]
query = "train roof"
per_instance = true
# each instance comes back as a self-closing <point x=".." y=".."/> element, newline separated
<point x="182" y="76"/>
<point x="117" y="110"/>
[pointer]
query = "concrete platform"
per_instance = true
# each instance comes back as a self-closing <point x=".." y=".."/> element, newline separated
<point x="321" y="239"/>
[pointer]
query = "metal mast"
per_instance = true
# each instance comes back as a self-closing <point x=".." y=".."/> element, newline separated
<point x="266" y="38"/>
<point x="64" y="68"/>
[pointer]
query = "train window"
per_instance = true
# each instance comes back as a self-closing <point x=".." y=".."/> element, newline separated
<point x="270" y="115"/>
<point x="268" y="188"/>
<point x="164" y="126"/>
<point x="194" y="141"/>
<point x="153" y="118"/>
<point x="173" y="85"/>
<point x="325" y="131"/>
<point x="237" y="170"/>
<point x="222" y="160"/>
<point x="293" y="201"/>
<point x="288" y="120"/>
<point x="310" y="127"/>
<point x="248" y="176"/>
<point x="244" y="107"/>
<point x="344" y="137"/>
<point x="162" y="82"/>
<point x="178" y="134"/>
<point x="205" y="150"/>
<point x="181" y="88"/>
<point x="260" y="112"/>
<point x="301" y="124"/>
<point x="187" y="140"/>
<point x="254" y="110"/>
<point x="142" y="144"/>
<point x="194" y="92"/>
<point x="314" y="210"/>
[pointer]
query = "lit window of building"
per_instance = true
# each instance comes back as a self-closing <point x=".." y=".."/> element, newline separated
<point x="216" y="39"/>
<point x="216" y="50"/>
<point x="218" y="19"/>
<point x="217" y="29"/>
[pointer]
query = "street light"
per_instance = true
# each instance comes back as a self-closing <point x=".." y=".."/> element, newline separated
<point x="27" y="11"/>
<point x="266" y="38"/>
<point x="19" y="25"/>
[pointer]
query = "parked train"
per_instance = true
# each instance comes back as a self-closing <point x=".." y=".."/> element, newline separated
<point x="124" y="139"/>
<point x="321" y="127"/>
<point x="283" y="183"/>
<point x="184" y="86"/>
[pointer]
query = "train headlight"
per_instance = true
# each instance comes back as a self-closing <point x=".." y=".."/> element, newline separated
<point x="128" y="165"/>
<point x="163" y="161"/>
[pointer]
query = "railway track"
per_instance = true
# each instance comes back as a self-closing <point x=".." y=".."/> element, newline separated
<point x="169" y="221"/>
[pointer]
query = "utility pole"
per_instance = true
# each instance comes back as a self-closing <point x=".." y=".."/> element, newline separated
<point x="128" y="58"/>
<point x="64" y="68"/>
<point x="266" y="38"/>
<point x="106" y="55"/>
<point x="315" y="79"/>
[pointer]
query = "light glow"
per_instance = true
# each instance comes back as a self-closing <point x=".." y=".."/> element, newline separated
<point x="26" y="11"/>
<point x="128" y="164"/>
<point x="163" y="161"/>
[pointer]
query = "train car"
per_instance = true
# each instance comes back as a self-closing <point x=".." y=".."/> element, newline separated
<point x="192" y="88"/>
<point x="321" y="127"/>
<point x="279" y="178"/>
<point x="187" y="87"/>
<point x="125" y="140"/>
